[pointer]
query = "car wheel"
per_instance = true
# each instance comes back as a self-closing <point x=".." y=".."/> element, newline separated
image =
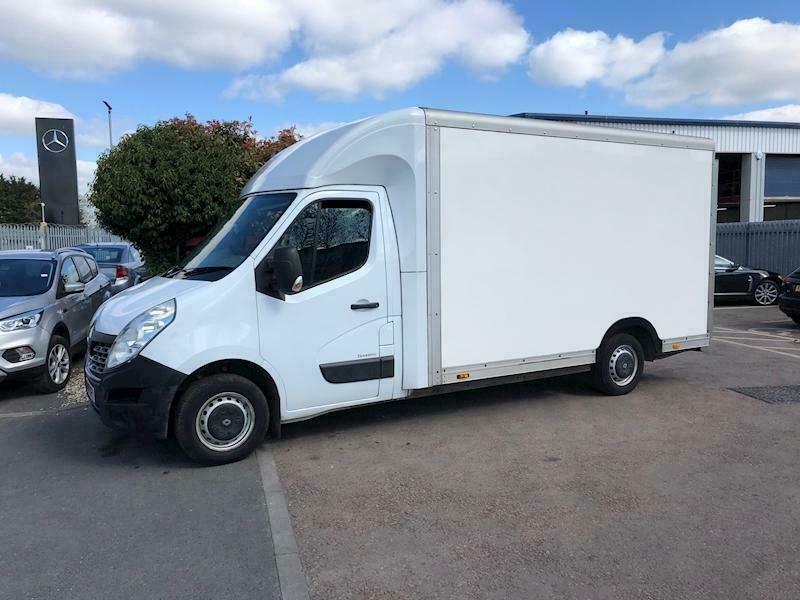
<point x="796" y="319"/>
<point x="57" y="366"/>
<point x="221" y="419"/>
<point x="619" y="365"/>
<point x="766" y="293"/>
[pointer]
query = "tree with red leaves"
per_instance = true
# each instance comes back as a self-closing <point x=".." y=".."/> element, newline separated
<point x="172" y="182"/>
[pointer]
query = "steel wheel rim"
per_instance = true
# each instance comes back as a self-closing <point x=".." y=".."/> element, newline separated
<point x="623" y="365"/>
<point x="225" y="421"/>
<point x="766" y="293"/>
<point x="58" y="364"/>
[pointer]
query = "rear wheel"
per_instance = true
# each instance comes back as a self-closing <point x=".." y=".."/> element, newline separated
<point x="796" y="319"/>
<point x="221" y="418"/>
<point x="619" y="365"/>
<point x="766" y="293"/>
<point x="57" y="366"/>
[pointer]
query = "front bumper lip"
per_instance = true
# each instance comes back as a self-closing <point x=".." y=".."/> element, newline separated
<point x="135" y="396"/>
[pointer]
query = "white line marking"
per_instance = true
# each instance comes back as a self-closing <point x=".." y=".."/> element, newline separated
<point x="294" y="585"/>
<point x="752" y="339"/>
<point x="754" y="332"/>
<point x="741" y="307"/>
<point x="759" y="348"/>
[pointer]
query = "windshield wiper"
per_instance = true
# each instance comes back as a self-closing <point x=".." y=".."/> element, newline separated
<point x="200" y="271"/>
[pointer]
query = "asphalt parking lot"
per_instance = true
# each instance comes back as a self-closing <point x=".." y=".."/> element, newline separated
<point x="684" y="488"/>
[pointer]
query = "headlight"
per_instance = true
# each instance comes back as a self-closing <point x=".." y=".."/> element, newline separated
<point x="138" y="333"/>
<point x="27" y="320"/>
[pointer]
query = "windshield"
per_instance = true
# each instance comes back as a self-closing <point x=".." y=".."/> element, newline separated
<point x="25" y="277"/>
<point x="105" y="254"/>
<point x="233" y="240"/>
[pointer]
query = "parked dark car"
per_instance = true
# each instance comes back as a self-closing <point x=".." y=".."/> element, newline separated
<point x="789" y="301"/>
<point x="732" y="281"/>
<point x="120" y="262"/>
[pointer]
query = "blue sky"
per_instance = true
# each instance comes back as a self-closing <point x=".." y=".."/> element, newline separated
<point x="317" y="62"/>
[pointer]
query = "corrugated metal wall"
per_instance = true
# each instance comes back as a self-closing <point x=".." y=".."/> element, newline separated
<point x="773" y="245"/>
<point x="772" y="140"/>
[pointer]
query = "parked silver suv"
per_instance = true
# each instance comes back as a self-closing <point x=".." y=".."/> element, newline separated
<point x="47" y="300"/>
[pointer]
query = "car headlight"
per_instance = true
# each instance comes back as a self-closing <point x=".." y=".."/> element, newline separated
<point x="139" y="332"/>
<point x="27" y="320"/>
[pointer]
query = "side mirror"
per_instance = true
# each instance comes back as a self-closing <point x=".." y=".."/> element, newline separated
<point x="280" y="272"/>
<point x="73" y="287"/>
<point x="734" y="267"/>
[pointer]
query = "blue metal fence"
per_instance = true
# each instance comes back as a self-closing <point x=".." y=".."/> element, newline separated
<point x="773" y="245"/>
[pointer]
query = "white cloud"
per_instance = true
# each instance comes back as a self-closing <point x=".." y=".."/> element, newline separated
<point x="398" y="51"/>
<point x="752" y="60"/>
<point x="352" y="46"/>
<point x="19" y="165"/>
<point x="17" y="113"/>
<point x="22" y="165"/>
<point x="786" y="113"/>
<point x="575" y="58"/>
<point x="87" y="39"/>
<point x="309" y="129"/>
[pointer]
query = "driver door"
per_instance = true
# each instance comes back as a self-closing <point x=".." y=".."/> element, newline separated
<point x="324" y="339"/>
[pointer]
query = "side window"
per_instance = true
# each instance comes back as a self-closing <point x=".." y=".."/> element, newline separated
<point x="722" y="263"/>
<point x="69" y="272"/>
<point x="84" y="271"/>
<point x="332" y="238"/>
<point x="92" y="266"/>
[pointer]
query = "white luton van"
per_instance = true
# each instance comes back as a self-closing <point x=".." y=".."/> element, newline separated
<point x="411" y="253"/>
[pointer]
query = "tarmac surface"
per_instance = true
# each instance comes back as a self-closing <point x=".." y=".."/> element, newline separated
<point x="682" y="489"/>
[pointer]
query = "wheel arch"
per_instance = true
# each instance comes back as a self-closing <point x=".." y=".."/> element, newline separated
<point x="642" y="330"/>
<point x="62" y="330"/>
<point x="249" y="370"/>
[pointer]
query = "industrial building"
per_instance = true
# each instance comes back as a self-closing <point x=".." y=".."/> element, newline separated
<point x="759" y="161"/>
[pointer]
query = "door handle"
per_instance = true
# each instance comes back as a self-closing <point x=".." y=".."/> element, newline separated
<point x="364" y="305"/>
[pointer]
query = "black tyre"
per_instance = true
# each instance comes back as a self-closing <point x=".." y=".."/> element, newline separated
<point x="221" y="419"/>
<point x="766" y="293"/>
<point x="619" y="366"/>
<point x="796" y="319"/>
<point x="57" y="366"/>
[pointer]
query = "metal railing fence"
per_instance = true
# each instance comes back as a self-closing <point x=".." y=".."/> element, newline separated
<point x="50" y="236"/>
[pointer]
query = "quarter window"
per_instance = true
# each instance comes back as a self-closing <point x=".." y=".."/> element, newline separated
<point x="92" y="266"/>
<point x="331" y="237"/>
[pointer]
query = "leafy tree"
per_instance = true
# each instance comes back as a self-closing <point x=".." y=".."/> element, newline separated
<point x="169" y="183"/>
<point x="19" y="200"/>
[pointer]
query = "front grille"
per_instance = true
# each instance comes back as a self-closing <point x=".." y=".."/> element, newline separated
<point x="98" y="353"/>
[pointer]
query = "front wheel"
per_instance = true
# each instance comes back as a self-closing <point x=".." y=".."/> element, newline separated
<point x="58" y="366"/>
<point x="619" y="365"/>
<point x="221" y="419"/>
<point x="766" y="293"/>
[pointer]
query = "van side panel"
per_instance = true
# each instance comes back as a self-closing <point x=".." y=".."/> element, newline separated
<point x="548" y="241"/>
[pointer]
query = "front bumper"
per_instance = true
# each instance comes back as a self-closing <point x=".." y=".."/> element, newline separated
<point x="136" y="396"/>
<point x="36" y="338"/>
<point x="790" y="305"/>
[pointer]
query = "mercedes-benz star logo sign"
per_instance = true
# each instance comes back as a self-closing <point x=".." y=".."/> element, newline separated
<point x="55" y="140"/>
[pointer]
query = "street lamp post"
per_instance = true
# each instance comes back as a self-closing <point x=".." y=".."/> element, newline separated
<point x="110" y="139"/>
